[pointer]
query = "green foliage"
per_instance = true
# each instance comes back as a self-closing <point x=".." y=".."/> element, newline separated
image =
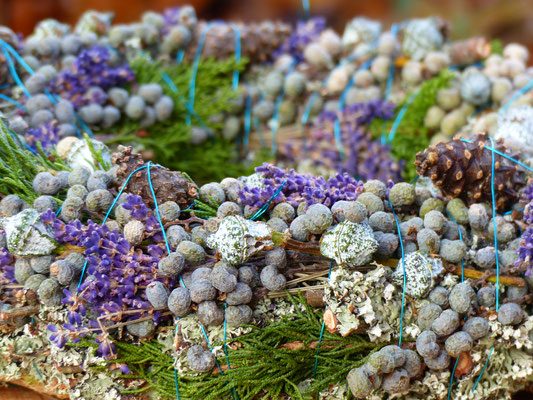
<point x="496" y="46"/>
<point x="262" y="365"/>
<point x="18" y="166"/>
<point x="169" y="140"/>
<point x="99" y="162"/>
<point x="412" y="136"/>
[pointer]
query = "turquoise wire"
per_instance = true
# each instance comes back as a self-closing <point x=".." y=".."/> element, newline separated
<point x="258" y="129"/>
<point x="179" y="56"/>
<point x="323" y="326"/>
<point x="12" y="101"/>
<point x="307" y="8"/>
<point x="192" y="82"/>
<point x="503" y="155"/>
<point x="342" y="99"/>
<point x="275" y="117"/>
<point x="451" y="378"/>
<point x="14" y="73"/>
<point x="247" y="121"/>
<point x="495" y="228"/>
<point x="175" y="370"/>
<point x="483" y="370"/>
<point x="314" y="96"/>
<point x="105" y="219"/>
<point x="400" y="116"/>
<point x="462" y="280"/>
<point x="496" y="251"/>
<point x="403" y="266"/>
<point x="521" y="92"/>
<point x="235" y="82"/>
<point x="265" y="207"/>
<point x="216" y="361"/>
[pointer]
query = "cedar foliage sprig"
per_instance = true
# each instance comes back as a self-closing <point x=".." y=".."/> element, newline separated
<point x="169" y="140"/>
<point x="263" y="364"/>
<point x="18" y="166"/>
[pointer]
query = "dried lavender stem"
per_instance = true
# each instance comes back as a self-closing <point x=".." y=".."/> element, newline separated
<point x="19" y="312"/>
<point x="475" y="274"/>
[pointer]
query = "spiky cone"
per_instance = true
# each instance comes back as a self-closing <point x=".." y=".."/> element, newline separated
<point x="258" y="40"/>
<point x="168" y="185"/>
<point x="463" y="170"/>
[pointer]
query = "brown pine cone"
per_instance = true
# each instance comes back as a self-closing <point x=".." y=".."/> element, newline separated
<point x="168" y="185"/>
<point x="461" y="169"/>
<point x="258" y="40"/>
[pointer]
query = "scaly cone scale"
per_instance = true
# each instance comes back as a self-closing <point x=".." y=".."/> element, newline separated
<point x="168" y="185"/>
<point x="258" y="41"/>
<point x="463" y="170"/>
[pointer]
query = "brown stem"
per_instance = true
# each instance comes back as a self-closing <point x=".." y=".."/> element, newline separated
<point x="284" y="240"/>
<point x="19" y="312"/>
<point x="475" y="274"/>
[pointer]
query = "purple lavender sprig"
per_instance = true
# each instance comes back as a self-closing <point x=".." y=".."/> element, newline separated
<point x="525" y="251"/>
<point x="90" y="69"/>
<point x="299" y="188"/>
<point x="45" y="134"/>
<point x="365" y="158"/>
<point x="305" y="33"/>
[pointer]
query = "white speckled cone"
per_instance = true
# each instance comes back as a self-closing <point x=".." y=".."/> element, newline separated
<point x="349" y="244"/>
<point x="237" y="239"/>
<point x="27" y="235"/>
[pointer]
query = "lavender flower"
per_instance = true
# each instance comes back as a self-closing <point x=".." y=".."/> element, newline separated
<point x="136" y="206"/>
<point x="91" y="69"/>
<point x="525" y="251"/>
<point x="365" y="158"/>
<point x="299" y="188"/>
<point x="45" y="134"/>
<point x="305" y="33"/>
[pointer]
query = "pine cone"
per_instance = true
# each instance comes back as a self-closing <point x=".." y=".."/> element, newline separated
<point x="461" y="169"/>
<point x="258" y="41"/>
<point x="168" y="185"/>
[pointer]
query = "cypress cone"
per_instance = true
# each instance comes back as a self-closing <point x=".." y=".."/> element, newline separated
<point x="168" y="185"/>
<point x="463" y="170"/>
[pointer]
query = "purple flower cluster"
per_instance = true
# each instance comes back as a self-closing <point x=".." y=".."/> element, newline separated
<point x="45" y="134"/>
<point x="305" y="33"/>
<point x="364" y="157"/>
<point x="525" y="251"/>
<point x="299" y="188"/>
<point x="90" y="70"/>
<point x="114" y="275"/>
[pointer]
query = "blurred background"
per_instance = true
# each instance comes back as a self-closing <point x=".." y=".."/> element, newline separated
<point x="508" y="20"/>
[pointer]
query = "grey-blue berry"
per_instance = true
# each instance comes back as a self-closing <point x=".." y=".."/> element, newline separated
<point x="209" y="313"/>
<point x="446" y="323"/>
<point x="353" y="211"/>
<point x="238" y="315"/>
<point x="157" y="294"/>
<point x="457" y="343"/>
<point x="427" y="315"/>
<point x="202" y="290"/>
<point x="381" y="221"/>
<point x="242" y="294"/>
<point x="476" y="327"/>
<point x="179" y="301"/>
<point x="510" y="314"/>
<point x="428" y="241"/>
<point x="461" y="297"/>
<point x="171" y="265"/>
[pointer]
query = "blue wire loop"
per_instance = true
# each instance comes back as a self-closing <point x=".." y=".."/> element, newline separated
<point x="275" y="116"/>
<point x="192" y="82"/>
<point x="323" y="326"/>
<point x="337" y="126"/>
<point x="516" y="96"/>
<point x="462" y="280"/>
<point x="265" y="207"/>
<point x="483" y="370"/>
<point x="400" y="116"/>
<point x="247" y="121"/>
<point x="403" y="267"/>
